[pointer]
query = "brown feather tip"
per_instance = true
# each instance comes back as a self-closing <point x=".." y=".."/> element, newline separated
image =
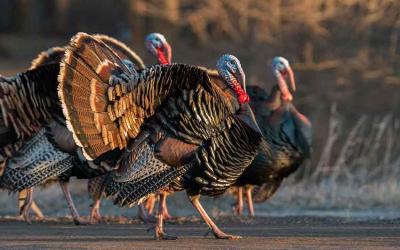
<point x="77" y="40"/>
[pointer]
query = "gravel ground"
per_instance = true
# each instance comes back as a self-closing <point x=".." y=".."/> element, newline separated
<point x="260" y="233"/>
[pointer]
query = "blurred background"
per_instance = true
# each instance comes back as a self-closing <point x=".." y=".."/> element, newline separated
<point x="346" y="58"/>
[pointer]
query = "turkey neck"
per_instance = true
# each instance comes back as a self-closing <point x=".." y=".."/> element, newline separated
<point x="274" y="100"/>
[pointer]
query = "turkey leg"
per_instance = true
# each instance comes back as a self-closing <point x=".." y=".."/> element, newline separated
<point x="249" y="199"/>
<point x="95" y="211"/>
<point x="166" y="214"/>
<point x="35" y="208"/>
<point x="159" y="228"/>
<point x="195" y="200"/>
<point x="150" y="203"/>
<point x="75" y="215"/>
<point x="239" y="205"/>
<point x="24" y="209"/>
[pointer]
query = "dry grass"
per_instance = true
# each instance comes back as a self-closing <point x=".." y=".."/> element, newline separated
<point x="358" y="170"/>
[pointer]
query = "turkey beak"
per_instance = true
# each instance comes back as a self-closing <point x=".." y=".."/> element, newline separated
<point x="168" y="52"/>
<point x="283" y="87"/>
<point x="242" y="79"/>
<point x="150" y="47"/>
<point x="291" y="77"/>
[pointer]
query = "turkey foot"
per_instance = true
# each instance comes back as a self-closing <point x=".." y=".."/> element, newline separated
<point x="38" y="213"/>
<point x="159" y="233"/>
<point x="24" y="209"/>
<point x="195" y="200"/>
<point x="95" y="216"/>
<point x="21" y="201"/>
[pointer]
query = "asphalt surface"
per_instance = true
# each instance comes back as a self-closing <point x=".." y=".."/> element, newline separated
<point x="259" y="233"/>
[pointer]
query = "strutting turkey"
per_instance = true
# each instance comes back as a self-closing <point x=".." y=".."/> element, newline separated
<point x="177" y="129"/>
<point x="287" y="139"/>
<point x="31" y="111"/>
<point x="158" y="46"/>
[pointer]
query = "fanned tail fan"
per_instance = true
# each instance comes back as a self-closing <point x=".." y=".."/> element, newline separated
<point x="87" y="90"/>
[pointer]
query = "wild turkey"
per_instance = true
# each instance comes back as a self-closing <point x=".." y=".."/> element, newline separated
<point x="31" y="108"/>
<point x="158" y="46"/>
<point x="178" y="130"/>
<point x="287" y="139"/>
<point x="14" y="142"/>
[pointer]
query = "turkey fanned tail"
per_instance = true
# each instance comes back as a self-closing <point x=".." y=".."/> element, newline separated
<point x="36" y="162"/>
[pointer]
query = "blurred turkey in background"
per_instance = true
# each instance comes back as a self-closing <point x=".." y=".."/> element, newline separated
<point x="345" y="55"/>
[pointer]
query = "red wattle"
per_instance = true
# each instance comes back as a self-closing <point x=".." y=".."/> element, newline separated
<point x="243" y="99"/>
<point x="161" y="57"/>
<point x="242" y="96"/>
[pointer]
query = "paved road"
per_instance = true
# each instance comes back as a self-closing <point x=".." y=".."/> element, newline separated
<point x="278" y="233"/>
